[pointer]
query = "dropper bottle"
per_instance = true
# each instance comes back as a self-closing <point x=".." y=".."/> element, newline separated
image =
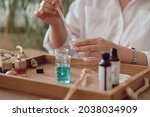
<point x="115" y="62"/>
<point x="105" y="82"/>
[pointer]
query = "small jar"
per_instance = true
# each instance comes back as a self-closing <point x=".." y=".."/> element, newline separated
<point x="20" y="67"/>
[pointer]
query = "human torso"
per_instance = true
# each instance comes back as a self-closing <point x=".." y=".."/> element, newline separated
<point x="106" y="19"/>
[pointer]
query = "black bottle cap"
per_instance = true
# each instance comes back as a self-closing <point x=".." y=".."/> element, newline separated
<point x="114" y="55"/>
<point x="105" y="56"/>
<point x="105" y="60"/>
<point x="39" y="70"/>
<point x="4" y="71"/>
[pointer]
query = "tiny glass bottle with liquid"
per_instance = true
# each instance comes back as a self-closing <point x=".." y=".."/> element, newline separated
<point x="20" y="66"/>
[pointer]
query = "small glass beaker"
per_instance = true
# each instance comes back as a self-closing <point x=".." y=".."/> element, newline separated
<point x="62" y="61"/>
<point x="61" y="51"/>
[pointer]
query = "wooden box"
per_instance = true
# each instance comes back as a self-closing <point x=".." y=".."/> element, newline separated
<point x="46" y="86"/>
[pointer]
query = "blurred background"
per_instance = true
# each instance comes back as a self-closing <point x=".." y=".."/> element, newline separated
<point x="19" y="26"/>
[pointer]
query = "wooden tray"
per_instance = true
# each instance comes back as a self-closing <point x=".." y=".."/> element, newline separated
<point x="45" y="84"/>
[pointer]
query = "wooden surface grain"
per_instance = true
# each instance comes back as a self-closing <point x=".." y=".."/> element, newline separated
<point x="6" y="94"/>
<point x="49" y="76"/>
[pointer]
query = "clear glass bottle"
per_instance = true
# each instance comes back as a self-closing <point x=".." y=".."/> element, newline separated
<point x="20" y="67"/>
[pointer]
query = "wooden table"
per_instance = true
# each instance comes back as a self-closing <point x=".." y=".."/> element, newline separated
<point x="6" y="94"/>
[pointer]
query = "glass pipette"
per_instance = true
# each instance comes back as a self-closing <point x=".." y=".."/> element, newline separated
<point x="73" y="38"/>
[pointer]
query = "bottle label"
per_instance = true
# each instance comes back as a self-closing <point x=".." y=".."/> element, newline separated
<point x="105" y="82"/>
<point x="115" y="72"/>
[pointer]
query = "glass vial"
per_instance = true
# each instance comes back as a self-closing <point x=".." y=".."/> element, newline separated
<point x="62" y="66"/>
<point x="20" y="67"/>
<point x="115" y="65"/>
<point x="105" y="81"/>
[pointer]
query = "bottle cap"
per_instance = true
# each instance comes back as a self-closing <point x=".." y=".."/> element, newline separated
<point x="39" y="70"/>
<point x="105" y="60"/>
<point x="114" y="55"/>
<point x="105" y="56"/>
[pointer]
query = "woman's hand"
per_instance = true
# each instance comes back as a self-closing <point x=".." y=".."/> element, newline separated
<point x="48" y="13"/>
<point x="91" y="49"/>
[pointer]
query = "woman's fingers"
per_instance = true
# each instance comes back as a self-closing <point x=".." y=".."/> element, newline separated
<point x="87" y="48"/>
<point x="54" y="2"/>
<point x="48" y="11"/>
<point x="85" y="42"/>
<point x="49" y="6"/>
<point x="37" y="13"/>
<point x="91" y="59"/>
<point x="90" y="54"/>
<point x="46" y="7"/>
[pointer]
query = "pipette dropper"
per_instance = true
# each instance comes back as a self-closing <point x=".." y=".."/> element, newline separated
<point x="73" y="38"/>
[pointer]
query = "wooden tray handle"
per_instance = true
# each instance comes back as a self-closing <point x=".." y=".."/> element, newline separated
<point x="134" y="95"/>
<point x="85" y="73"/>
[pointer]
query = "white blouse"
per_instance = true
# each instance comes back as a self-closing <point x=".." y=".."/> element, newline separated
<point x="105" y="19"/>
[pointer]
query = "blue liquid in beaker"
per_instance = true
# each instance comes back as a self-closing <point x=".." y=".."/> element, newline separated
<point x="63" y="74"/>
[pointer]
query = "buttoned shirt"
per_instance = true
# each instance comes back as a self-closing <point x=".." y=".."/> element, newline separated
<point x="106" y="19"/>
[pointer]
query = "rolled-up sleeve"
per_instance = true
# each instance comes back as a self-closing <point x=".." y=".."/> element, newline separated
<point x="46" y="43"/>
<point x="48" y="47"/>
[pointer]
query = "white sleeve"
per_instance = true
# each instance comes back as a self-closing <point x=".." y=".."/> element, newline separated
<point x="148" y="57"/>
<point x="47" y="46"/>
<point x="46" y="43"/>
